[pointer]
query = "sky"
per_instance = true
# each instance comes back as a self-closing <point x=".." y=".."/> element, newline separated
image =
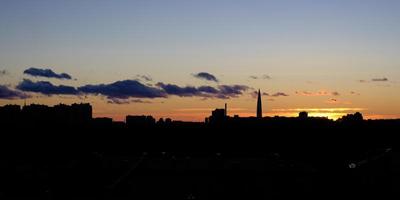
<point x="181" y="59"/>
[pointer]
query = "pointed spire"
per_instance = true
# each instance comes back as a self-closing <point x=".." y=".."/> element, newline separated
<point x="259" y="105"/>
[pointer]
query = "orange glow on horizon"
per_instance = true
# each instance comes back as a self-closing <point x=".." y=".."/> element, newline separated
<point x="199" y="115"/>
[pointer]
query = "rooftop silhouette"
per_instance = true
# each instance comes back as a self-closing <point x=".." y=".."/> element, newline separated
<point x="119" y="160"/>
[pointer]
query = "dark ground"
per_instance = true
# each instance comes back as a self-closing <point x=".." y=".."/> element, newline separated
<point x="206" y="164"/>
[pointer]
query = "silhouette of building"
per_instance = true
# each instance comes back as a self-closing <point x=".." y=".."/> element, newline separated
<point x="10" y="114"/>
<point x="356" y="117"/>
<point x="42" y="116"/>
<point x="259" y="105"/>
<point x="140" y="121"/>
<point x="218" y="115"/>
<point x="303" y="115"/>
<point x="102" y="123"/>
<point x="82" y="113"/>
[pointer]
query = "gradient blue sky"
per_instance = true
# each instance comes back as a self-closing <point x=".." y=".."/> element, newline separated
<point x="304" y="45"/>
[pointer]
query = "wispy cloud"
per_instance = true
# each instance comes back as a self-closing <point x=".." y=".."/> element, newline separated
<point x="254" y="94"/>
<point x="279" y="94"/>
<point x="3" y="72"/>
<point x="383" y="79"/>
<point x="127" y="101"/>
<point x="10" y="94"/>
<point x="145" y="78"/>
<point x="318" y="93"/>
<point x="337" y="101"/>
<point x="264" y="77"/>
<point x="380" y="79"/>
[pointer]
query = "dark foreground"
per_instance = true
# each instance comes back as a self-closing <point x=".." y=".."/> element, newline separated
<point x="194" y="161"/>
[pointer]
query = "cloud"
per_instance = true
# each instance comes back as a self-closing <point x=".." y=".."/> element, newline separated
<point x="3" y="72"/>
<point x="47" y="73"/>
<point x="355" y="93"/>
<point x="123" y="90"/>
<point x="46" y="88"/>
<point x="380" y="79"/>
<point x="208" y="89"/>
<point x="126" y="101"/>
<point x="206" y="76"/>
<point x="319" y="93"/>
<point x="173" y="89"/>
<point x="264" y="77"/>
<point x="335" y="93"/>
<point x="280" y="94"/>
<point x="145" y="78"/>
<point x="222" y="92"/>
<point x="337" y="101"/>
<point x="228" y="91"/>
<point x="277" y="94"/>
<point x="7" y="93"/>
<point x="384" y="79"/>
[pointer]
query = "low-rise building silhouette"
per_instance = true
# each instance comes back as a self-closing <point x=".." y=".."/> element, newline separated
<point x="35" y="115"/>
<point x="303" y="115"/>
<point x="140" y="121"/>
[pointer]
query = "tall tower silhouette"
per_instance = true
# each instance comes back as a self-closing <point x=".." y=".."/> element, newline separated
<point x="259" y="106"/>
<point x="226" y="110"/>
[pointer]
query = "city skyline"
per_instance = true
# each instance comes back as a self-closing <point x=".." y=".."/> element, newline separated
<point x="182" y="59"/>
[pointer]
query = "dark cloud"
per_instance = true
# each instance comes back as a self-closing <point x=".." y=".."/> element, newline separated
<point x="208" y="89"/>
<point x="7" y="93"/>
<point x="228" y="91"/>
<point x="47" y="73"/>
<point x="222" y="92"/>
<point x="187" y="91"/>
<point x="380" y="79"/>
<point x="46" y="88"/>
<point x="206" y="76"/>
<point x="123" y="90"/>
<point x="354" y="93"/>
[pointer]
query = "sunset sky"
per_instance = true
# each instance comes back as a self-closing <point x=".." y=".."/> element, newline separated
<point x="183" y="58"/>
